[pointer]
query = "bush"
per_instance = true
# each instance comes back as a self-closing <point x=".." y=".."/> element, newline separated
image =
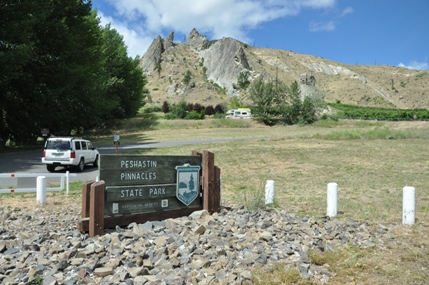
<point x="198" y="107"/>
<point x="192" y="115"/>
<point x="210" y="110"/>
<point x="177" y="111"/>
<point x="187" y="78"/>
<point x="152" y="108"/>
<point x="243" y="80"/>
<point x="220" y="109"/>
<point x="189" y="107"/>
<point x="165" y="107"/>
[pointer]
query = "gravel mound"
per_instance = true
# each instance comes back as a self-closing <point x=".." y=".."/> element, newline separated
<point x="43" y="246"/>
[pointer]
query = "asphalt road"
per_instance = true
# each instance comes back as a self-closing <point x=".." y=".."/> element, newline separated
<point x="30" y="161"/>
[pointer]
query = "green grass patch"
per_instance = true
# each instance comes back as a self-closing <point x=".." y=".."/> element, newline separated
<point x="279" y="274"/>
<point x="374" y="113"/>
<point x="326" y="123"/>
<point x="372" y="134"/>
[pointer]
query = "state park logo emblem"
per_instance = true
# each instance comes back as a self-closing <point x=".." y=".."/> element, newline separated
<point x="188" y="183"/>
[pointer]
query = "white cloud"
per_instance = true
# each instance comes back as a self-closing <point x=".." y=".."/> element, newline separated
<point x="416" y="65"/>
<point x="136" y="40"/>
<point x="141" y="21"/>
<point x="346" y="11"/>
<point x="321" y="26"/>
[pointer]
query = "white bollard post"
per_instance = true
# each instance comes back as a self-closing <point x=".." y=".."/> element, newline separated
<point x="269" y="192"/>
<point x="332" y="209"/>
<point x="41" y="190"/>
<point x="67" y="182"/>
<point x="408" y="205"/>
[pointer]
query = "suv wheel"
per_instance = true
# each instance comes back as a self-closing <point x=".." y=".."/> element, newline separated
<point x="95" y="163"/>
<point x="50" y="167"/>
<point x="81" y="165"/>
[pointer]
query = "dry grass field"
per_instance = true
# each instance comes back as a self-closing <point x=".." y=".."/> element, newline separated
<point x="370" y="161"/>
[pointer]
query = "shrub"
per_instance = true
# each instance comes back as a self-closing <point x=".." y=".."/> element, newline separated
<point x="189" y="107"/>
<point x="198" y="107"/>
<point x="152" y="108"/>
<point x="177" y="111"/>
<point x="243" y="81"/>
<point x="220" y="109"/>
<point x="165" y="107"/>
<point x="187" y="78"/>
<point x="210" y="110"/>
<point x="192" y="115"/>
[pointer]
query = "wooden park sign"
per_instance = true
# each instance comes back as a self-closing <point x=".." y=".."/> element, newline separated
<point x="140" y="188"/>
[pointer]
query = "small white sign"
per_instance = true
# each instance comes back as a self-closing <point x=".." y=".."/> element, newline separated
<point x="115" y="209"/>
<point x="164" y="203"/>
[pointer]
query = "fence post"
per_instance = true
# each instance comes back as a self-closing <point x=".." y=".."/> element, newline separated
<point x="96" y="209"/>
<point x="41" y="190"/>
<point x="67" y="182"/>
<point x="211" y="183"/>
<point x="82" y="224"/>
<point x="86" y="190"/>
<point x="408" y="205"/>
<point x="332" y="209"/>
<point x="269" y="192"/>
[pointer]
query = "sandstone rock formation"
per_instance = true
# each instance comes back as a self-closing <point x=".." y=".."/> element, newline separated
<point x="309" y="80"/>
<point x="307" y="87"/>
<point x="224" y="61"/>
<point x="197" y="41"/>
<point x="152" y="56"/>
<point x="218" y="63"/>
<point x="169" y="41"/>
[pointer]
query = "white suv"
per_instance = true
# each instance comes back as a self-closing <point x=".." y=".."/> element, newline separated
<point x="69" y="152"/>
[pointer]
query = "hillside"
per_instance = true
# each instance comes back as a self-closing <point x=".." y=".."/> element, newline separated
<point x="214" y="67"/>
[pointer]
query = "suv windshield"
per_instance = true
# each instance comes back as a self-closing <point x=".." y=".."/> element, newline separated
<point x="61" y="145"/>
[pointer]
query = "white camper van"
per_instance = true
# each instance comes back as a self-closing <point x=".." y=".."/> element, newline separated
<point x="240" y="113"/>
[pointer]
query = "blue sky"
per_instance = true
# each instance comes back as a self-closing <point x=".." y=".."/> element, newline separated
<point x="366" y="32"/>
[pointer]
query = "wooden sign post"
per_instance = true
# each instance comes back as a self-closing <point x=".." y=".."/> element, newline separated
<point x="138" y="188"/>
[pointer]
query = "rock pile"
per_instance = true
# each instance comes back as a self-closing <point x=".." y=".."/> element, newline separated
<point x="43" y="246"/>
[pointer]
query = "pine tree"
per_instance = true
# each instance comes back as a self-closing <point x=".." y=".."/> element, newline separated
<point x="191" y="183"/>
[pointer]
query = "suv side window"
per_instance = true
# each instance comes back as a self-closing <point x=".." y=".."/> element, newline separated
<point x="89" y="145"/>
<point x="84" y="145"/>
<point x="77" y="145"/>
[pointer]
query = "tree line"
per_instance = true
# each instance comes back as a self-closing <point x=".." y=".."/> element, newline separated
<point x="61" y="70"/>
<point x="276" y="103"/>
<point x="191" y="111"/>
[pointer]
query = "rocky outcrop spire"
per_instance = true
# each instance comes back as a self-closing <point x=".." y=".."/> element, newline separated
<point x="152" y="57"/>
<point x="307" y="87"/>
<point x="197" y="41"/>
<point x="168" y="43"/>
<point x="309" y="80"/>
<point x="224" y="60"/>
<point x="241" y="59"/>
